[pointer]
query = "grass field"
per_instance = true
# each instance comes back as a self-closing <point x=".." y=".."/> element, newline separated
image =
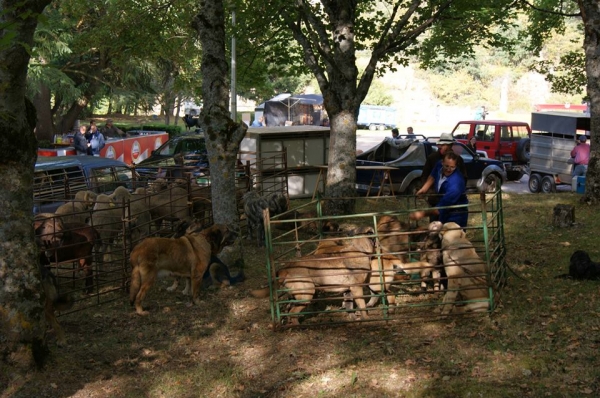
<point x="542" y="340"/>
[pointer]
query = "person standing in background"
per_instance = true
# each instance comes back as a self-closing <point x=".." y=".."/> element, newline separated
<point x="80" y="142"/>
<point x="410" y="134"/>
<point x="472" y="144"/>
<point x="110" y="130"/>
<point x="581" y="157"/>
<point x="96" y="140"/>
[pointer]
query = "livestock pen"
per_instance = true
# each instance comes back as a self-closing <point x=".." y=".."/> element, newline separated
<point x="95" y="270"/>
<point x="299" y="242"/>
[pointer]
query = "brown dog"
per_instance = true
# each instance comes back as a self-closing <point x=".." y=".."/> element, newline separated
<point x="465" y="270"/>
<point x="187" y="256"/>
<point x="397" y="240"/>
<point x="54" y="302"/>
<point x="337" y="266"/>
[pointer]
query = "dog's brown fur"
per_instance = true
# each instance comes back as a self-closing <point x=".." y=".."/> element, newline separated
<point x="335" y="266"/>
<point x="54" y="302"/>
<point x="465" y="270"/>
<point x="396" y="239"/>
<point x="187" y="256"/>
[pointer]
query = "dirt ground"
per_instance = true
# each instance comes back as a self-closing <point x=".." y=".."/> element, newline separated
<point x="541" y="341"/>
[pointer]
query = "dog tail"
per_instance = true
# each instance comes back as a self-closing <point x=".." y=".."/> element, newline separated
<point x="260" y="293"/>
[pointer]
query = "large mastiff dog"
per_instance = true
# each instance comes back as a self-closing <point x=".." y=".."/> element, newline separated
<point x="336" y="266"/>
<point x="187" y="256"/>
<point x="466" y="272"/>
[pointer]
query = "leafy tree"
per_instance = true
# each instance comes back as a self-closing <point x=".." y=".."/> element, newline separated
<point x="330" y="33"/>
<point x="21" y="310"/>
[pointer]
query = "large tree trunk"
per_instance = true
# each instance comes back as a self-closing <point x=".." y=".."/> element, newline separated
<point x="66" y="123"/>
<point x="338" y="83"/>
<point x="44" y="129"/>
<point x="591" y="19"/>
<point x="223" y="135"/>
<point x="22" y="328"/>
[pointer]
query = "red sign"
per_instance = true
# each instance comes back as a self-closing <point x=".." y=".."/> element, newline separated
<point x="128" y="150"/>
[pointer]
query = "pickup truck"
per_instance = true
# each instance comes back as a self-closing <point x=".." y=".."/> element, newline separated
<point x="407" y="158"/>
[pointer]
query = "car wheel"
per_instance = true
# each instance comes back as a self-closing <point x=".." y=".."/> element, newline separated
<point x="523" y="150"/>
<point x="413" y="187"/>
<point x="492" y="182"/>
<point x="548" y="185"/>
<point x="372" y="127"/>
<point x="534" y="183"/>
<point x="381" y="127"/>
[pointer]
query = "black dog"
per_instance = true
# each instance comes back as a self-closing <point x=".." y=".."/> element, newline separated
<point x="581" y="266"/>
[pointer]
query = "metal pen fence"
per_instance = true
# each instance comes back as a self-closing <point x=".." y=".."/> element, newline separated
<point x="403" y="291"/>
<point x="95" y="270"/>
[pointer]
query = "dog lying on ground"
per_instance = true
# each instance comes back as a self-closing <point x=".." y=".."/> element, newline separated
<point x="54" y="302"/>
<point x="581" y="266"/>
<point x="466" y="272"/>
<point x="187" y="256"/>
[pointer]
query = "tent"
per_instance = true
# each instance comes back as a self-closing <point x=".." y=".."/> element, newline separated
<point x="287" y="109"/>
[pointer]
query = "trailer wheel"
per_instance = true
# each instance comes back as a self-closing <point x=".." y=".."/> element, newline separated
<point x="535" y="181"/>
<point x="381" y="127"/>
<point x="372" y="127"/>
<point x="548" y="185"/>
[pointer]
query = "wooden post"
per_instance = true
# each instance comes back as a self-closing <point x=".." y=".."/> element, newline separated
<point x="564" y="216"/>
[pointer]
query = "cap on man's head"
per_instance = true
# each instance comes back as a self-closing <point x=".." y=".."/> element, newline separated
<point x="582" y="138"/>
<point x="446" y="139"/>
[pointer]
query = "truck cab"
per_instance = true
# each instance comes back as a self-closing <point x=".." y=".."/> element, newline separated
<point x="503" y="140"/>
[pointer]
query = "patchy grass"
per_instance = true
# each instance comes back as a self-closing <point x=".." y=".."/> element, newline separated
<point x="542" y="341"/>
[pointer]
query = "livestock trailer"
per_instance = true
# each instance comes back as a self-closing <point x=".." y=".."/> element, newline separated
<point x="554" y="134"/>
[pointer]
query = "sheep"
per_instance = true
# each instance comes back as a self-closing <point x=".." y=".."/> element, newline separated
<point x="77" y="210"/>
<point x="140" y="218"/>
<point x="168" y="204"/>
<point x="107" y="218"/>
<point x="63" y="242"/>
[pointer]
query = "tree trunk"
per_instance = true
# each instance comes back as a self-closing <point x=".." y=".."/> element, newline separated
<point x="223" y="135"/>
<point x="341" y="98"/>
<point x="66" y="123"/>
<point x="21" y="303"/>
<point x="341" y="179"/>
<point x="591" y="20"/>
<point x="44" y="129"/>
